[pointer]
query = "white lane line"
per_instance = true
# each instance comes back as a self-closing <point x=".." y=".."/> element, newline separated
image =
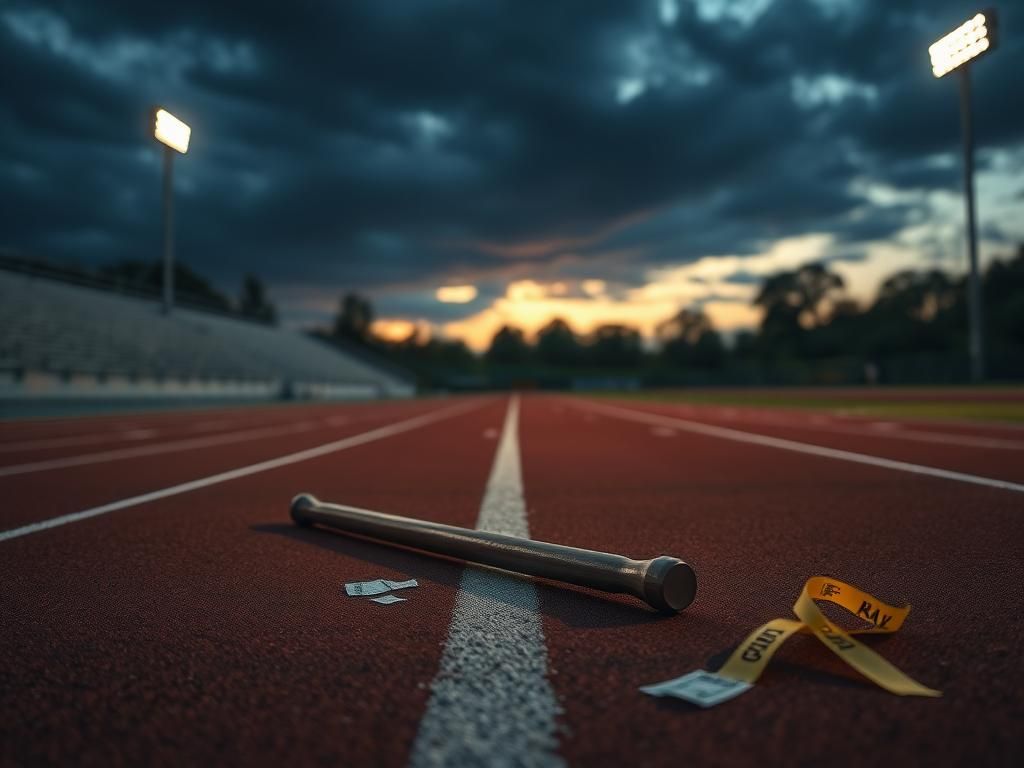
<point x="222" y="477"/>
<point x="64" y="442"/>
<point x="739" y="436"/>
<point x="924" y="436"/>
<point x="876" y="429"/>
<point x="491" y="702"/>
<point x="889" y="430"/>
<point x="153" y="450"/>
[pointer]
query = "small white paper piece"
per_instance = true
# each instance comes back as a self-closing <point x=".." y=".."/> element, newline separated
<point x="705" y="689"/>
<point x="387" y="599"/>
<point x="401" y="584"/>
<point x="364" y="588"/>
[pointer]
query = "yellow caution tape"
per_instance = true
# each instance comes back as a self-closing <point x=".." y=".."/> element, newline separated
<point x="749" y="660"/>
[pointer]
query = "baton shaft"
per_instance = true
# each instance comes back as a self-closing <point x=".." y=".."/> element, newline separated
<point x="665" y="583"/>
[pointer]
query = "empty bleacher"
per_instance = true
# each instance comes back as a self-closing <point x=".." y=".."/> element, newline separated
<point x="58" y="339"/>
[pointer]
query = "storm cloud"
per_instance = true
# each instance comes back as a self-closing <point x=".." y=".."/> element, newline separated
<point x="394" y="146"/>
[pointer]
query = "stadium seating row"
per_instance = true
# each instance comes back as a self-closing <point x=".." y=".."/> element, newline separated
<point x="57" y="338"/>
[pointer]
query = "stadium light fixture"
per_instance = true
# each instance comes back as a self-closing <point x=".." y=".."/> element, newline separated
<point x="174" y="134"/>
<point x="955" y="52"/>
<point x="172" y="131"/>
<point x="965" y="43"/>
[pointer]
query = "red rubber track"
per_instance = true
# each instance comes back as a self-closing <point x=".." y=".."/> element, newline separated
<point x="756" y="522"/>
<point x="95" y="434"/>
<point x="882" y="394"/>
<point x="878" y="424"/>
<point x="58" y="492"/>
<point x="206" y="628"/>
<point x="856" y="436"/>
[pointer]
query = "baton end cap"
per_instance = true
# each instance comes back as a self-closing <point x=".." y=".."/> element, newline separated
<point x="300" y="505"/>
<point x="670" y="584"/>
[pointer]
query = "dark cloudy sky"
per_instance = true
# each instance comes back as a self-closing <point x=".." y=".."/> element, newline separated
<point x="596" y="159"/>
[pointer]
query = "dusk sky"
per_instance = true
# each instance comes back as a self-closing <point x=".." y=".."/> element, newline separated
<point x="468" y="164"/>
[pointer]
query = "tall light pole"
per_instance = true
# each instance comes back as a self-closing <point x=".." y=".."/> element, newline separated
<point x="174" y="134"/>
<point x="955" y="51"/>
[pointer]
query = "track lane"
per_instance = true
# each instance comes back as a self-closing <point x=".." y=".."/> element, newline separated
<point x="756" y="522"/>
<point x="41" y="428"/>
<point x="77" y="438"/>
<point x="979" y="433"/>
<point x="208" y="629"/>
<point x="43" y="495"/>
<point x="997" y="463"/>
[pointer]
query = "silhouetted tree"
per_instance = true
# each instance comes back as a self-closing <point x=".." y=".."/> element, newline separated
<point x="688" y="339"/>
<point x="1004" y="298"/>
<point x="840" y="335"/>
<point x="745" y="345"/>
<point x="147" y="276"/>
<point x="355" y="316"/>
<point x="254" y="303"/>
<point x="508" y="347"/>
<point x="616" y="346"/>
<point x="557" y="344"/>
<point x="913" y="312"/>
<point x="452" y="353"/>
<point x="792" y="302"/>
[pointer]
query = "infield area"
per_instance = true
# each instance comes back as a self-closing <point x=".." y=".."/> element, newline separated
<point x="158" y="605"/>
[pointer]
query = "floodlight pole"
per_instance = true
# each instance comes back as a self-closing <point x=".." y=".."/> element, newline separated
<point x="168" y="283"/>
<point x="974" y="293"/>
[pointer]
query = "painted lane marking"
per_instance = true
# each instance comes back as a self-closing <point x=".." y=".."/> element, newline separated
<point x="233" y="474"/>
<point x="893" y="431"/>
<point x="753" y="438"/>
<point x="65" y="442"/>
<point x="890" y="430"/>
<point x="119" y="454"/>
<point x="924" y="436"/>
<point x="491" y="702"/>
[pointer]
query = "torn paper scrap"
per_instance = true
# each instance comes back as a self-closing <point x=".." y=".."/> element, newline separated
<point x="387" y="599"/>
<point x="364" y="588"/>
<point x="705" y="689"/>
<point x="401" y="584"/>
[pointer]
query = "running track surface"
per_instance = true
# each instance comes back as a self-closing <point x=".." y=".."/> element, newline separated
<point x="201" y="626"/>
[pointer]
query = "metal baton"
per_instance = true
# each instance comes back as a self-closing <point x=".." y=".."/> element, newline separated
<point x="665" y="583"/>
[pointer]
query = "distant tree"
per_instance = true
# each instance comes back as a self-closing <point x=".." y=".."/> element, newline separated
<point x="688" y="339"/>
<point x="433" y="360"/>
<point x="798" y="297"/>
<point x="355" y="316"/>
<point x="616" y="346"/>
<point x="916" y="295"/>
<point x="253" y="301"/>
<point x="840" y="333"/>
<point x="451" y="353"/>
<point x="914" y="311"/>
<point x="147" y="276"/>
<point x="745" y="345"/>
<point x="508" y="347"/>
<point x="557" y="344"/>
<point x="793" y="302"/>
<point x="1004" y="298"/>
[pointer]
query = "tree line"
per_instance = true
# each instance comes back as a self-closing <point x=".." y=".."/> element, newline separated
<point x="812" y="331"/>
<point x="138" y="276"/>
<point x="192" y="288"/>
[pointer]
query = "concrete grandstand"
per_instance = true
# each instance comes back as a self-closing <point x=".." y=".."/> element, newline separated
<point x="63" y="341"/>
